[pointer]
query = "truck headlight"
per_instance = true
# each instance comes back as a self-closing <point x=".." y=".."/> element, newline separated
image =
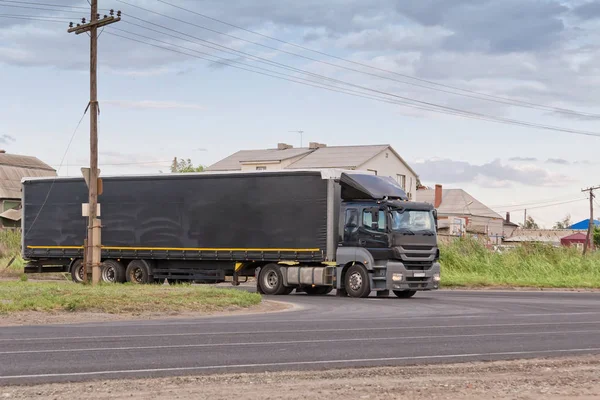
<point x="397" y="277"/>
<point x="436" y="277"/>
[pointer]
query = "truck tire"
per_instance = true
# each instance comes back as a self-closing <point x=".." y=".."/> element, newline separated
<point x="405" y="294"/>
<point x="357" y="282"/>
<point x="112" y="272"/>
<point x="77" y="269"/>
<point x="139" y="272"/>
<point x="318" y="290"/>
<point x="271" y="280"/>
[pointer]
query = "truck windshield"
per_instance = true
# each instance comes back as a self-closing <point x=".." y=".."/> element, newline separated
<point x="412" y="221"/>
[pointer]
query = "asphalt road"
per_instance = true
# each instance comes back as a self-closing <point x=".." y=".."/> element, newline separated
<point x="330" y="332"/>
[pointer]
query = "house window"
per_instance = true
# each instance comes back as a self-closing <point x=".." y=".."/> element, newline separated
<point x="401" y="181"/>
<point x="261" y="168"/>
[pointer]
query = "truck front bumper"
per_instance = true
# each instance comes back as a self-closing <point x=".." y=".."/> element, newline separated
<point x="400" y="278"/>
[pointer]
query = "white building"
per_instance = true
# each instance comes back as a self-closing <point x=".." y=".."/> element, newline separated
<point x="379" y="159"/>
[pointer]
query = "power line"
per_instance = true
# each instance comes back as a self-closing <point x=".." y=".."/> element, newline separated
<point x="471" y="93"/>
<point x="26" y="17"/>
<point x="466" y="92"/>
<point x="42" y="4"/>
<point x="548" y="205"/>
<point x="413" y="103"/>
<point x="61" y="163"/>
<point x="36" y="8"/>
<point x="552" y="200"/>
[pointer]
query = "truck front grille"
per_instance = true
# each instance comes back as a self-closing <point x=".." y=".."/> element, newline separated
<point x="417" y="265"/>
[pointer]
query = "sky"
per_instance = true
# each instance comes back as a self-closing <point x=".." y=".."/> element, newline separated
<point x="363" y="72"/>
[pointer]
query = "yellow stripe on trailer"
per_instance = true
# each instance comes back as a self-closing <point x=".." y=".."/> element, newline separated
<point x="178" y="249"/>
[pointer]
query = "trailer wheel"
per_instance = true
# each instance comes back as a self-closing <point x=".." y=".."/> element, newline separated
<point x="318" y="290"/>
<point x="77" y="271"/>
<point x="271" y="280"/>
<point x="139" y="272"/>
<point x="405" y="294"/>
<point x="356" y="281"/>
<point x="112" y="272"/>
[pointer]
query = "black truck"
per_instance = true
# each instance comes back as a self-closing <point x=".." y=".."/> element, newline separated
<point x="312" y="231"/>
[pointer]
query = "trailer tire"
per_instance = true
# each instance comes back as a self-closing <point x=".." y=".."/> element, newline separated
<point x="357" y="282"/>
<point x="318" y="290"/>
<point x="112" y="272"/>
<point x="271" y="280"/>
<point x="139" y="272"/>
<point x="405" y="294"/>
<point x="77" y="271"/>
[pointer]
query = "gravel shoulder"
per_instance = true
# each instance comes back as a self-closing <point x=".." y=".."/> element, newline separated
<point x="550" y="379"/>
<point x="65" y="317"/>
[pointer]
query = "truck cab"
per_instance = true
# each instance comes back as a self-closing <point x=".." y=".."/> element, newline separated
<point x="398" y="242"/>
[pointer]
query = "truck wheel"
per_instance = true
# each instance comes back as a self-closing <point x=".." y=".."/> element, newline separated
<point x="405" y="294"/>
<point x="138" y="271"/>
<point x="112" y="272"/>
<point x="357" y="281"/>
<point x="77" y="270"/>
<point x="271" y="280"/>
<point x="318" y="290"/>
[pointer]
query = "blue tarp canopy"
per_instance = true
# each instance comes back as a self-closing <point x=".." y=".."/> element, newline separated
<point x="584" y="224"/>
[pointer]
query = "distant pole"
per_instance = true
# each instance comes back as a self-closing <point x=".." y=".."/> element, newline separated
<point x="94" y="246"/>
<point x="525" y="218"/>
<point x="589" y="239"/>
<point x="300" y="132"/>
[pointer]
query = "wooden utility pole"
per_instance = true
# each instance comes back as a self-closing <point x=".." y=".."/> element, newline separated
<point x="94" y="247"/>
<point x="589" y="239"/>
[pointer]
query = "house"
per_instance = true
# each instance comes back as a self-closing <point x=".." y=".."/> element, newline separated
<point x="509" y="227"/>
<point x="378" y="159"/>
<point x="583" y="225"/>
<point x="12" y="169"/>
<point x="457" y="205"/>
<point x="545" y="236"/>
<point x="576" y="239"/>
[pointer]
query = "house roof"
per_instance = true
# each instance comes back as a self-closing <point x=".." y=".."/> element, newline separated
<point x="457" y="202"/>
<point x="14" y="167"/>
<point x="12" y="214"/>
<point x="581" y="225"/>
<point x="233" y="162"/>
<point x="575" y="236"/>
<point x="343" y="157"/>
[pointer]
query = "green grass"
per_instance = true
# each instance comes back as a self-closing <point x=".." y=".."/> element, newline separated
<point x="467" y="263"/>
<point x="122" y="298"/>
<point x="10" y="246"/>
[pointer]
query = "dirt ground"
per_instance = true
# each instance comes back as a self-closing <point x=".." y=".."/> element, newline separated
<point x="64" y="317"/>
<point x="549" y="379"/>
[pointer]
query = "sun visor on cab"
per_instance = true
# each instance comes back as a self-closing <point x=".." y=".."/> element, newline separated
<point x="369" y="187"/>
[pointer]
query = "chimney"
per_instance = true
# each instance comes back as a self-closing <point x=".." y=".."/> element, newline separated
<point x="315" y="145"/>
<point x="507" y="216"/>
<point x="284" y="146"/>
<point x="438" y="196"/>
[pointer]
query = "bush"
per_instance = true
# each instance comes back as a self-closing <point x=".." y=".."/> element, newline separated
<point x="467" y="262"/>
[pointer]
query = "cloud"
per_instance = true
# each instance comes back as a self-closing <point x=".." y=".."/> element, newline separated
<point x="492" y="174"/>
<point x="558" y="161"/>
<point x="6" y="139"/>
<point x="151" y="104"/>
<point x="588" y="11"/>
<point x="523" y="159"/>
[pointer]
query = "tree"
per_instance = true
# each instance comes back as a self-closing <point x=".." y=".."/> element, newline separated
<point x="530" y="224"/>
<point x="565" y="223"/>
<point x="185" y="166"/>
<point x="596" y="237"/>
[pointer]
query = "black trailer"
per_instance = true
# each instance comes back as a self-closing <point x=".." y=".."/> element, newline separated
<point x="206" y="226"/>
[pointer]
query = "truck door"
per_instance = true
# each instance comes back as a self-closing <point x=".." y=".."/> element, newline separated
<point x="373" y="232"/>
<point x="351" y="224"/>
